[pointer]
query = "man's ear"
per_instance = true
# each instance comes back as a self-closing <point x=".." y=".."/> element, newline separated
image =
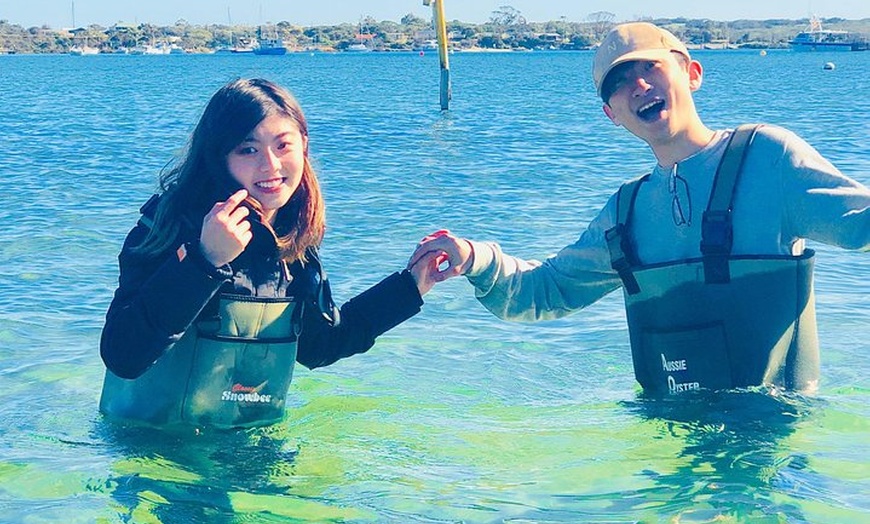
<point x="696" y="75"/>
<point x="609" y="112"/>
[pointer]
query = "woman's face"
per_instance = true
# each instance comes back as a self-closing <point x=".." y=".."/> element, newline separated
<point x="269" y="162"/>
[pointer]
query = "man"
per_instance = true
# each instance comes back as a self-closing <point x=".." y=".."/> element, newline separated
<point x="709" y="252"/>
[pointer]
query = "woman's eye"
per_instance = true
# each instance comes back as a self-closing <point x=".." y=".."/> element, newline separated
<point x="246" y="150"/>
<point x="286" y="146"/>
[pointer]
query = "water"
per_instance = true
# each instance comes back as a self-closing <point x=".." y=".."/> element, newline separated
<point x="454" y="416"/>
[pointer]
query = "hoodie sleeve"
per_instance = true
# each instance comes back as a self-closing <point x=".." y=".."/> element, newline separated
<point x="328" y="336"/>
<point x="529" y="290"/>
<point x="821" y="203"/>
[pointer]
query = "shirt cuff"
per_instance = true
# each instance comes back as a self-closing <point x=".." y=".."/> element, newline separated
<point x="484" y="254"/>
<point x="194" y="253"/>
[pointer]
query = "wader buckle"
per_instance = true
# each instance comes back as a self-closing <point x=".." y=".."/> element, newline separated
<point x="716" y="243"/>
<point x="620" y="257"/>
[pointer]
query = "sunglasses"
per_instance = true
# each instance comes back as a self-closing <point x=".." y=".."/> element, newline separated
<point x="681" y="204"/>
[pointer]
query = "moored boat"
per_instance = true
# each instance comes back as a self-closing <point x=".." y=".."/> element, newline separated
<point x="815" y="38"/>
<point x="270" y="47"/>
<point x="83" y="50"/>
<point x="273" y="45"/>
<point x="357" y="48"/>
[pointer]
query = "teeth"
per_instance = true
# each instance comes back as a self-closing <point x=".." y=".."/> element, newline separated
<point x="648" y="105"/>
<point x="269" y="184"/>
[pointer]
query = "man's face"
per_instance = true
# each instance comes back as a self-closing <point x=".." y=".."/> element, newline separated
<point x="652" y="99"/>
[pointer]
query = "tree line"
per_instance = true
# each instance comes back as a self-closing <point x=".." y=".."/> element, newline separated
<point x="506" y="28"/>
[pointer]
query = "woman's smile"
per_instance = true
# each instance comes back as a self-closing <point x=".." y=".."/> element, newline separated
<point x="272" y="185"/>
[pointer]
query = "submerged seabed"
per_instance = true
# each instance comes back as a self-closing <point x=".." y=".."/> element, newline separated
<point x="454" y="416"/>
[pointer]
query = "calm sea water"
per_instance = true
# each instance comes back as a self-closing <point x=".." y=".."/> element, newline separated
<point x="454" y="416"/>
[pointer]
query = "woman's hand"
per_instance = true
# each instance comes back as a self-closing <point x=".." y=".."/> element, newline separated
<point x="425" y="271"/>
<point x="438" y="257"/>
<point x="226" y="231"/>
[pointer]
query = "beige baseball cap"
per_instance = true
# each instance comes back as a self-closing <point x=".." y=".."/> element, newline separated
<point x="633" y="41"/>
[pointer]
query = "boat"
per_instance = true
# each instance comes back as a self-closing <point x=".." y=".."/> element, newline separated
<point x="83" y="50"/>
<point x="236" y="49"/>
<point x="269" y="46"/>
<point x="85" y="47"/>
<point x="361" y="38"/>
<point x="237" y="46"/>
<point x="357" y="48"/>
<point x="150" y="49"/>
<point x="815" y="38"/>
<point x="428" y="45"/>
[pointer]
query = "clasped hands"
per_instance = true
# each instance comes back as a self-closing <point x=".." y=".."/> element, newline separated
<point x="438" y="257"/>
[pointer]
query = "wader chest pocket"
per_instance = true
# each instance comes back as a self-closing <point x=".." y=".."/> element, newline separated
<point x="686" y="358"/>
<point x="238" y="382"/>
<point x="242" y="367"/>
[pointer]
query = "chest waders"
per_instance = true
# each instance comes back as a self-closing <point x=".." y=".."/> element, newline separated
<point x="719" y="321"/>
<point x="229" y="370"/>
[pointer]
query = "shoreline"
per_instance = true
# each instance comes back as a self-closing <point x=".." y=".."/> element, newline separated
<point x="414" y="34"/>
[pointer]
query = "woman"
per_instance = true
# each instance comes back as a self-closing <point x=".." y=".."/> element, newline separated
<point x="221" y="288"/>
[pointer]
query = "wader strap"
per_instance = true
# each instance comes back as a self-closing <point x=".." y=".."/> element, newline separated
<point x="297" y="319"/>
<point x="148" y="210"/>
<point x="622" y="254"/>
<point x="323" y="293"/>
<point x="716" y="226"/>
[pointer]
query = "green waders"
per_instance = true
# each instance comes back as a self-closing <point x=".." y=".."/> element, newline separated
<point x="233" y="370"/>
<point x="719" y="321"/>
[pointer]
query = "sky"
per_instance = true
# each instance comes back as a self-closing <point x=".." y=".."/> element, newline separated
<point x="60" y="13"/>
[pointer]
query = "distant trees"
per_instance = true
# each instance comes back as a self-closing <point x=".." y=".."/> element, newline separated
<point x="601" y="22"/>
<point x="506" y="28"/>
<point x="506" y="17"/>
<point x="413" y="21"/>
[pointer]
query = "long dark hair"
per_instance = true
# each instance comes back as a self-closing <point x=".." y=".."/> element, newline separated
<point x="192" y="184"/>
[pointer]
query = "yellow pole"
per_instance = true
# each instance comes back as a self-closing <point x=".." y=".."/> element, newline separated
<point x="441" y="32"/>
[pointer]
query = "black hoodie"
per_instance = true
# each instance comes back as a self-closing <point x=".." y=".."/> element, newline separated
<point x="158" y="298"/>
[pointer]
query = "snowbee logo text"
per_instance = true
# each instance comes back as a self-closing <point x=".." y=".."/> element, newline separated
<point x="240" y="393"/>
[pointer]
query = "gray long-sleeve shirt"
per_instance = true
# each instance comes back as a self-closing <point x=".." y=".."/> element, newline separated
<point x="787" y="192"/>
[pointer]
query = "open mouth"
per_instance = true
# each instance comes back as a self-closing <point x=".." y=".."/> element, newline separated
<point x="268" y="185"/>
<point x="651" y="110"/>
